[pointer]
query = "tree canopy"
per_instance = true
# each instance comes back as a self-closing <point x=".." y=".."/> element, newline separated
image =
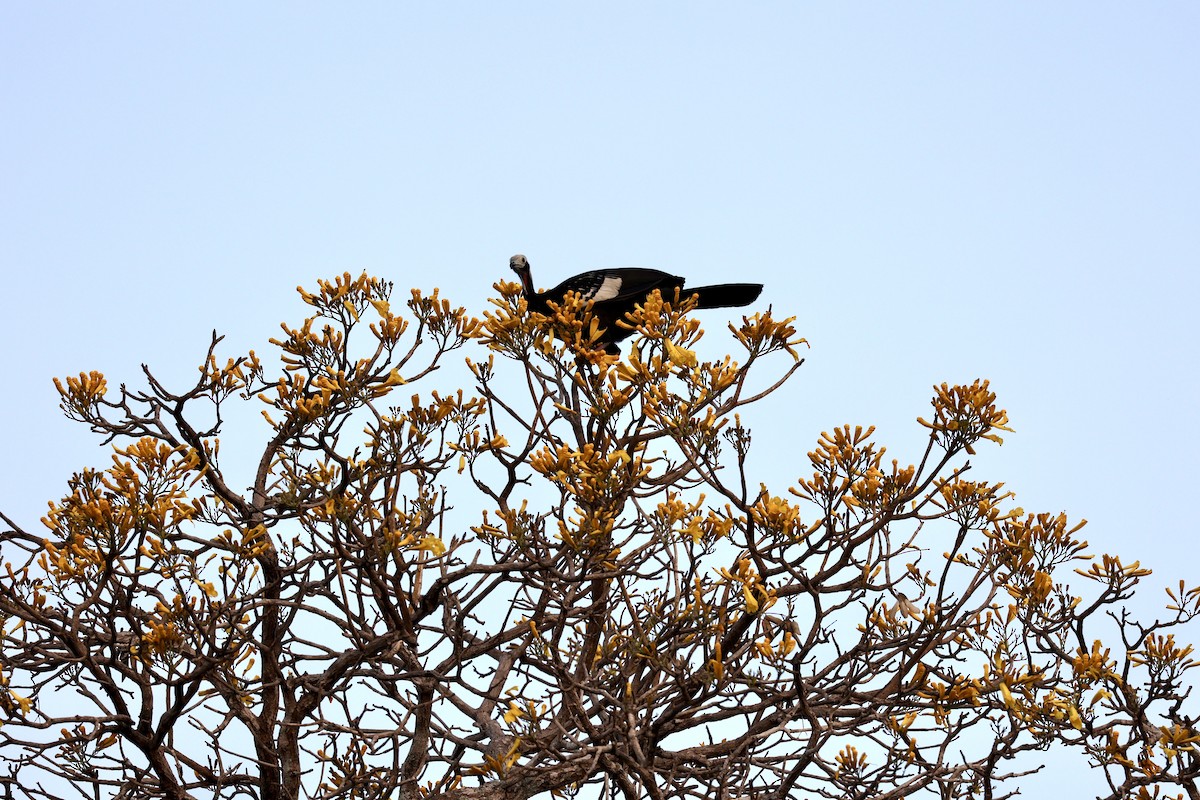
<point x="559" y="577"/>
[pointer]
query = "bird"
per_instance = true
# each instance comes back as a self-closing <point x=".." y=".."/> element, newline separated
<point x="614" y="292"/>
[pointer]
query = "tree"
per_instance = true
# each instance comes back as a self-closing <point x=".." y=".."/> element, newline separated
<point x="563" y="582"/>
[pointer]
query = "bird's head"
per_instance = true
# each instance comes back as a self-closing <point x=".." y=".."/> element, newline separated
<point x="520" y="265"/>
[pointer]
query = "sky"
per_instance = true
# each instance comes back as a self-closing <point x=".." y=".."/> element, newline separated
<point x="936" y="191"/>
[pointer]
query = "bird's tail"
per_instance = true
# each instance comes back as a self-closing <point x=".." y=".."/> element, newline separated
<point x="725" y="295"/>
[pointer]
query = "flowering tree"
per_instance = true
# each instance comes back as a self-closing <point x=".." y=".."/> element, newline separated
<point x="562" y="581"/>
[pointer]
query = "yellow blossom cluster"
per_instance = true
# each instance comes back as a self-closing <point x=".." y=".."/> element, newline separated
<point x="82" y="395"/>
<point x="850" y="761"/>
<point x="590" y="475"/>
<point x="1027" y="549"/>
<point x="235" y="375"/>
<point x="879" y="490"/>
<point x="743" y="578"/>
<point x="695" y="522"/>
<point x="778" y="516"/>
<point x="144" y="492"/>
<point x="965" y="414"/>
<point x="971" y="503"/>
<point x="842" y="458"/>
<point x="761" y="334"/>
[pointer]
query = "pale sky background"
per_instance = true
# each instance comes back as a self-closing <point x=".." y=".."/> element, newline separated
<point x="937" y="191"/>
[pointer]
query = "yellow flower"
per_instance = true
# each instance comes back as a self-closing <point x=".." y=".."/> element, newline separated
<point x="513" y="714"/>
<point x="679" y="355"/>
<point x="431" y="544"/>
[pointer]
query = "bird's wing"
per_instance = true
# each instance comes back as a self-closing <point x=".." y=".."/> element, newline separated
<point x="625" y="283"/>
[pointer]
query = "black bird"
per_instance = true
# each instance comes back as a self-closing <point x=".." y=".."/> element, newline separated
<point x="615" y="292"/>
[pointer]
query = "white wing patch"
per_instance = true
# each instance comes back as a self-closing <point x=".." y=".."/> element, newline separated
<point x="610" y="288"/>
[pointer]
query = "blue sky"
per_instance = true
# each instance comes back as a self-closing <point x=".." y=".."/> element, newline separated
<point x="937" y="191"/>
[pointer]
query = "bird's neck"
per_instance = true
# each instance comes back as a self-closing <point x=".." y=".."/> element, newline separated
<point x="527" y="285"/>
